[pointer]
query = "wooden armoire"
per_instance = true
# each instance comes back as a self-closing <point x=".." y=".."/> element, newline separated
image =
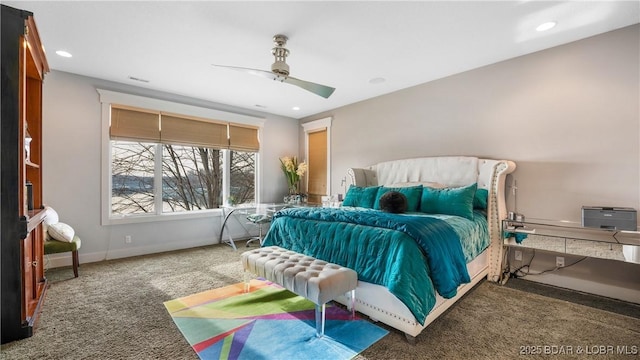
<point x="23" y="283"/>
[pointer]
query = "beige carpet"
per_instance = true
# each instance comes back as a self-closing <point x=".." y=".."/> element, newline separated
<point x="114" y="310"/>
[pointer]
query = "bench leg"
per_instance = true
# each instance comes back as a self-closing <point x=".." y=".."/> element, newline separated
<point x="247" y="281"/>
<point x="353" y="304"/>
<point x="320" y="320"/>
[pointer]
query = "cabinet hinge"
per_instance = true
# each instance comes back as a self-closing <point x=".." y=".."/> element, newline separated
<point x="26" y="30"/>
<point x="22" y="227"/>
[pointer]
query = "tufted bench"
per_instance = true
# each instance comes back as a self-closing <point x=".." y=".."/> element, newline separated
<point x="316" y="280"/>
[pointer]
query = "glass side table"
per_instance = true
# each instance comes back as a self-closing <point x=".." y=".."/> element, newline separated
<point x="572" y="238"/>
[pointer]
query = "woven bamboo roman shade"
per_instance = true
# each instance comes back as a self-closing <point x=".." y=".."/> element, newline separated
<point x="317" y="175"/>
<point x="243" y="138"/>
<point x="153" y="126"/>
<point x="184" y="131"/>
<point x="137" y="125"/>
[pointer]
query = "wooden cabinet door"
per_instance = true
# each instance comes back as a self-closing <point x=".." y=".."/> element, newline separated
<point x="27" y="274"/>
<point x="38" y="257"/>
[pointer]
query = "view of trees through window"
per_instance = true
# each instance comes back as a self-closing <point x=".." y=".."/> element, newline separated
<point x="243" y="170"/>
<point x="132" y="177"/>
<point x="191" y="177"/>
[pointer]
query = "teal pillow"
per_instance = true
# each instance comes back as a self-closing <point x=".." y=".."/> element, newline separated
<point x="360" y="196"/>
<point x="413" y="194"/>
<point x="450" y="201"/>
<point x="480" y="199"/>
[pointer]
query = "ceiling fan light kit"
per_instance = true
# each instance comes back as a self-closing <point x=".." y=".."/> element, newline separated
<point x="280" y="70"/>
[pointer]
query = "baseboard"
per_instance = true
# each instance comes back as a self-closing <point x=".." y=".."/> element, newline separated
<point x="587" y="286"/>
<point x="64" y="259"/>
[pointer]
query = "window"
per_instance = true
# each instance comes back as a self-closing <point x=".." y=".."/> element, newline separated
<point x="191" y="178"/>
<point x="166" y="163"/>
<point x="242" y="175"/>
<point x="317" y="158"/>
<point x="318" y="151"/>
<point x="132" y="175"/>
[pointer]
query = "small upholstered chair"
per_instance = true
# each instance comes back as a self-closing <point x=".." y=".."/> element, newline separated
<point x="60" y="238"/>
<point x="259" y="220"/>
<point x="55" y="247"/>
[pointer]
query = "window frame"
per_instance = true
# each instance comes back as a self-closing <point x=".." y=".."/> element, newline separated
<point x="108" y="97"/>
<point x="311" y="127"/>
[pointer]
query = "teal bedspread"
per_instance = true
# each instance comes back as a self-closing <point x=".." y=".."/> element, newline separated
<point x="411" y="255"/>
<point x="474" y="235"/>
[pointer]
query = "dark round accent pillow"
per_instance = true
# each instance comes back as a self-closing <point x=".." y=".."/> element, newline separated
<point x="393" y="202"/>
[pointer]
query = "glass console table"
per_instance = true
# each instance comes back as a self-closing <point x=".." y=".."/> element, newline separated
<point x="244" y="209"/>
<point x="572" y="238"/>
<point x="247" y="209"/>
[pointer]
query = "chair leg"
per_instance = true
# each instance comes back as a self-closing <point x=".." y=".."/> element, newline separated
<point x="261" y="239"/>
<point x="256" y="238"/>
<point x="74" y="256"/>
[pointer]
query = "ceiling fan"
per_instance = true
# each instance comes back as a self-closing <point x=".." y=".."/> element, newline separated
<point x="280" y="70"/>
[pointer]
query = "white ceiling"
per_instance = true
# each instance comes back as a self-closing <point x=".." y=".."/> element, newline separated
<point x="341" y="44"/>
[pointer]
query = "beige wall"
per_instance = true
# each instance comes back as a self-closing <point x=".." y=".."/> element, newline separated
<point x="72" y="171"/>
<point x="568" y="116"/>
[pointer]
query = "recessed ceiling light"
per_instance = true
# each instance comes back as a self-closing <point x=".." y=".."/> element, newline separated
<point x="63" y="53"/>
<point x="377" y="80"/>
<point x="546" y="26"/>
<point x="295" y="108"/>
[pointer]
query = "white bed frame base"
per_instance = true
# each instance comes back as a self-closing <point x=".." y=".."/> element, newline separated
<point x="376" y="301"/>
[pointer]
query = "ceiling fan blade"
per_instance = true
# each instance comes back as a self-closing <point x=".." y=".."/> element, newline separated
<point x="280" y="70"/>
<point x="262" y="73"/>
<point x="322" y="90"/>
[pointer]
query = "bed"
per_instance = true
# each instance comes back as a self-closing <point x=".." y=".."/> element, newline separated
<point x="415" y="265"/>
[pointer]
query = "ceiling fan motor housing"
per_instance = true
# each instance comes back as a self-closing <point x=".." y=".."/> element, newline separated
<point x="280" y="66"/>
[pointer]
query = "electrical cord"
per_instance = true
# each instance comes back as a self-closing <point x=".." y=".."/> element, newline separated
<point x="514" y="273"/>
<point x="520" y="273"/>
<point x="557" y="268"/>
<point x="505" y="270"/>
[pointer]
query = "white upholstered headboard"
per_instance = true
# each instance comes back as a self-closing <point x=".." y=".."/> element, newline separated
<point x="447" y="170"/>
<point x="452" y="171"/>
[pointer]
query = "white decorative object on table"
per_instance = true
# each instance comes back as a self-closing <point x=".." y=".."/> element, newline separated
<point x="27" y="149"/>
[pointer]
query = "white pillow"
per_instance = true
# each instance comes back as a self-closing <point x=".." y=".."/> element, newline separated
<point x="61" y="232"/>
<point x="51" y="216"/>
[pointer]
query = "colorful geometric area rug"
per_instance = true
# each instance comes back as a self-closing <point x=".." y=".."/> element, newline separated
<point x="269" y="322"/>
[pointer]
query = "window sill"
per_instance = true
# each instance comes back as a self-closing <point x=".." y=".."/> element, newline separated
<point x="145" y="218"/>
